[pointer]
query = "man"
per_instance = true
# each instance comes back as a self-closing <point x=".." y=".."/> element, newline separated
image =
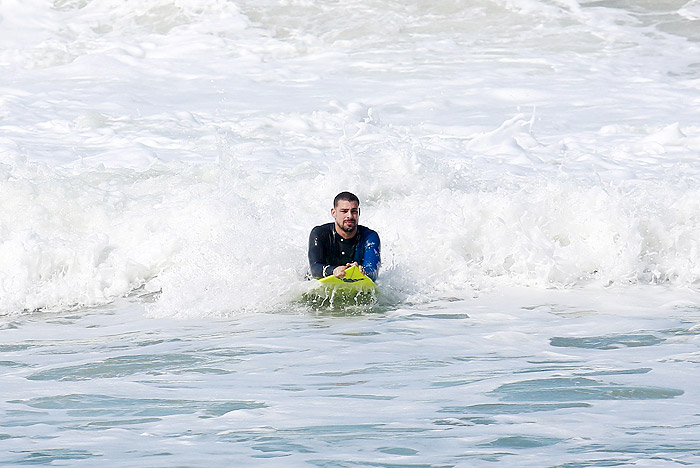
<point x="336" y="246"/>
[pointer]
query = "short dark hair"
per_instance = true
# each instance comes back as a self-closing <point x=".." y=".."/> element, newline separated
<point x="345" y="196"/>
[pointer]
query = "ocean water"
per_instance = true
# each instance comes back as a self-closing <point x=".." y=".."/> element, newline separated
<point x="532" y="168"/>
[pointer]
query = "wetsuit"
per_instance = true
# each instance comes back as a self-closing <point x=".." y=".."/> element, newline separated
<point x="327" y="250"/>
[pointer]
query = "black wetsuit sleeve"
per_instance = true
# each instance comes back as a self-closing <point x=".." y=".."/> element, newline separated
<point x="318" y="246"/>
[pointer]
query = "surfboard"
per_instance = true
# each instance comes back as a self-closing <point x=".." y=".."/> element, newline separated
<point x="353" y="281"/>
<point x="338" y="293"/>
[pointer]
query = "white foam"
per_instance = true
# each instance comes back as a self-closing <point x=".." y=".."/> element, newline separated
<point x="187" y="148"/>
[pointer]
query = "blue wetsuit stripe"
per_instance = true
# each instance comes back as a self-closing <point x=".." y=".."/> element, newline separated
<point x="368" y="252"/>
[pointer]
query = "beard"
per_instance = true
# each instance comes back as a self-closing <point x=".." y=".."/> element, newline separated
<point x="348" y="226"/>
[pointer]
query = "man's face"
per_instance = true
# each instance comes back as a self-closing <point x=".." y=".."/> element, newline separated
<point x="346" y="215"/>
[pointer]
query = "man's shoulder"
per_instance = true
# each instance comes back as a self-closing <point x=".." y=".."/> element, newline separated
<point x="365" y="231"/>
<point x="322" y="228"/>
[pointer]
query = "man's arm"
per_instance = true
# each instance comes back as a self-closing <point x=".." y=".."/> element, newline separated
<point x="372" y="255"/>
<point x="317" y="258"/>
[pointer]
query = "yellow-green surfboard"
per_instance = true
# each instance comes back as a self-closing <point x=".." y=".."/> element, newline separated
<point x="352" y="289"/>
<point x="353" y="281"/>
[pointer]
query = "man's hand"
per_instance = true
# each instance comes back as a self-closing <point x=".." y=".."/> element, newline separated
<point x="339" y="271"/>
